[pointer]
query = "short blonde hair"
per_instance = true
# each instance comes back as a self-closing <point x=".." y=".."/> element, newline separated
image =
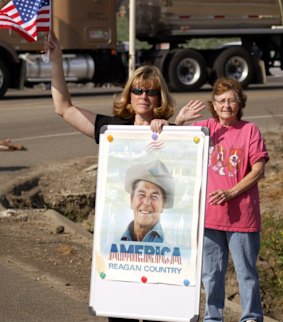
<point x="149" y="77"/>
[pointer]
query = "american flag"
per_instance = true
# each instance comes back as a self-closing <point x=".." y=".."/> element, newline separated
<point x="155" y="145"/>
<point x="27" y="17"/>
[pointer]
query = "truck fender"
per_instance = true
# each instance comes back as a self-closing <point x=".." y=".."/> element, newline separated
<point x="187" y="70"/>
<point x="4" y="78"/>
<point x="10" y="52"/>
<point x="8" y="60"/>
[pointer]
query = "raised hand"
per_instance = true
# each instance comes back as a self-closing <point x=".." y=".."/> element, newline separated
<point x="190" y="112"/>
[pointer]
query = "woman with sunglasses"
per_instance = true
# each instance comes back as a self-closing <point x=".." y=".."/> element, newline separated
<point x="145" y="100"/>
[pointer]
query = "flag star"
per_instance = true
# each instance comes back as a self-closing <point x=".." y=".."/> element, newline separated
<point x="25" y="17"/>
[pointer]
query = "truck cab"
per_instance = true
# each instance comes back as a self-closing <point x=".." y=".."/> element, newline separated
<point x="86" y="30"/>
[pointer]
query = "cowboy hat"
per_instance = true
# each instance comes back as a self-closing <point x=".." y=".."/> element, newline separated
<point x="155" y="172"/>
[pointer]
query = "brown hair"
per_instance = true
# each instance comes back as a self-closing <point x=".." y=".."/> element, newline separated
<point x="150" y="77"/>
<point x="223" y="85"/>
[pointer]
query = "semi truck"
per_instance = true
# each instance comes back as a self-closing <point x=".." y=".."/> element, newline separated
<point x="257" y="25"/>
<point x="87" y="32"/>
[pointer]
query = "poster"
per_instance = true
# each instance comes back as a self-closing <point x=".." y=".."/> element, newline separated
<point x="164" y="207"/>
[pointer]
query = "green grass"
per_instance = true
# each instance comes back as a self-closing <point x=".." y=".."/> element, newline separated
<point x="270" y="264"/>
<point x="271" y="261"/>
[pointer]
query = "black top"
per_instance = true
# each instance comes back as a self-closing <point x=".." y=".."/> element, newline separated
<point x="102" y="120"/>
<point x="108" y="120"/>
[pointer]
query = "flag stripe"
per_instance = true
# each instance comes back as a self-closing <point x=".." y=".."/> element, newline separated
<point x="26" y="17"/>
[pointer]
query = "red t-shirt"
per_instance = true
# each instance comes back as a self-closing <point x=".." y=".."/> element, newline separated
<point x="233" y="150"/>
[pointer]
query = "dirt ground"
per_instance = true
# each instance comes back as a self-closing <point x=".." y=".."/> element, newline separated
<point x="38" y="239"/>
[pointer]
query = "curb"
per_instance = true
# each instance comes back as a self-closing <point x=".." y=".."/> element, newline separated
<point x="56" y="219"/>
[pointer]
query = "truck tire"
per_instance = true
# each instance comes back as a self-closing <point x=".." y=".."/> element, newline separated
<point x="187" y="70"/>
<point x="4" y="79"/>
<point x="235" y="62"/>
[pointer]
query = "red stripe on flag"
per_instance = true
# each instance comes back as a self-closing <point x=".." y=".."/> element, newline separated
<point x="10" y="18"/>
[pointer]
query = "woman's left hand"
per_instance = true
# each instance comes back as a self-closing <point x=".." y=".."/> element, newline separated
<point x="156" y="125"/>
<point x="219" y="196"/>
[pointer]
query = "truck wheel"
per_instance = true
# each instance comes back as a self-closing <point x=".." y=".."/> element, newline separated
<point x="235" y="62"/>
<point x="4" y="79"/>
<point x="187" y="70"/>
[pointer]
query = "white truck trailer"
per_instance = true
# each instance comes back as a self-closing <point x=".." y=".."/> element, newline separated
<point x="169" y="25"/>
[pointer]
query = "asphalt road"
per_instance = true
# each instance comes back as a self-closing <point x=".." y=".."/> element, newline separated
<point x="27" y="117"/>
<point x="24" y="299"/>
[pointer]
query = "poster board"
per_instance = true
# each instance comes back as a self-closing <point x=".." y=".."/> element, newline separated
<point x="149" y="280"/>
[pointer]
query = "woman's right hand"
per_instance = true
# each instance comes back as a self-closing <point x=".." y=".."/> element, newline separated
<point x="190" y="112"/>
<point x="52" y="45"/>
<point x="156" y="125"/>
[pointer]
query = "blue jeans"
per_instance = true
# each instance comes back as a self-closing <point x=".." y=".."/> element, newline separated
<point x="244" y="248"/>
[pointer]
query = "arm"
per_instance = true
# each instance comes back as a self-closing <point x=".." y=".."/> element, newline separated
<point x="256" y="173"/>
<point x="190" y="112"/>
<point x="80" y="119"/>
